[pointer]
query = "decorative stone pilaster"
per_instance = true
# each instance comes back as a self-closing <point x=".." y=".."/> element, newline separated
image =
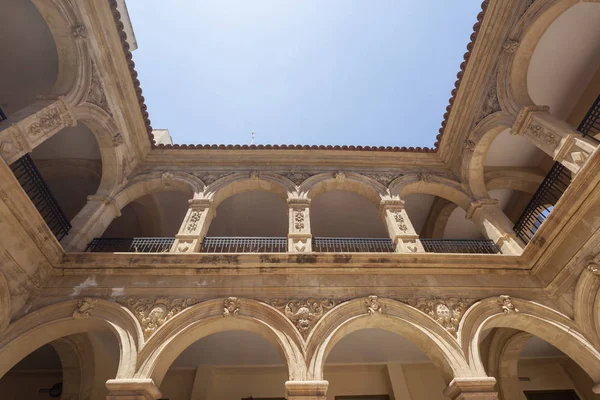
<point x="299" y="236"/>
<point x="495" y="225"/>
<point x="132" y="389"/>
<point x="401" y="231"/>
<point x="91" y="222"/>
<point x="555" y="137"/>
<point x="194" y="227"/>
<point x="306" y="390"/>
<point x="32" y="126"/>
<point x="483" y="388"/>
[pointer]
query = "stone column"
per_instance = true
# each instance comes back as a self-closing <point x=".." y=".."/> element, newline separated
<point x="132" y="389"/>
<point x="299" y="236"/>
<point x="495" y="225"/>
<point x="33" y="125"/>
<point x="306" y="390"/>
<point x="194" y="227"/>
<point x="483" y="388"/>
<point x="555" y="137"/>
<point x="91" y="222"/>
<point x="399" y="227"/>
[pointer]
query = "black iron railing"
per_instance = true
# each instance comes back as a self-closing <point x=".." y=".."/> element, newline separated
<point x="352" y="245"/>
<point x="33" y="184"/>
<point x="542" y="202"/>
<point x="590" y="126"/>
<point x="2" y="115"/>
<point x="468" y="246"/>
<point x="244" y="245"/>
<point x="131" y="245"/>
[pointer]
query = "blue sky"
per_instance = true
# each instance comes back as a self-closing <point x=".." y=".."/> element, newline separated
<point x="348" y="72"/>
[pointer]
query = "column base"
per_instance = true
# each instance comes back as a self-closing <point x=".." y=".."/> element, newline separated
<point x="132" y="389"/>
<point x="483" y="388"/>
<point x="306" y="390"/>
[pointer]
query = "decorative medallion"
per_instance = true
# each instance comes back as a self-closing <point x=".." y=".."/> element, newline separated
<point x="84" y="308"/>
<point x="510" y="46"/>
<point x="397" y="215"/>
<point x="298" y="219"/>
<point x="373" y="307"/>
<point x="154" y="312"/>
<point x="470" y="145"/>
<point x="340" y="175"/>
<point x="193" y="221"/>
<point x="539" y="132"/>
<point x="231" y="307"/>
<point x="446" y="312"/>
<point x="78" y="31"/>
<point x="303" y="313"/>
<point x="117" y="139"/>
<point x="167" y="175"/>
<point x="424" y="177"/>
<point x="254" y="175"/>
<point x="507" y="305"/>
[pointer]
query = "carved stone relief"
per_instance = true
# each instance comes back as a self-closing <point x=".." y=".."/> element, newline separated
<point x="340" y="175"/>
<point x="373" y="307"/>
<point x="297" y="177"/>
<point x="304" y="313"/>
<point x="210" y="177"/>
<point x="299" y="219"/>
<point x="300" y="245"/>
<point x="594" y="265"/>
<point x="78" y="31"/>
<point x="510" y="46"/>
<point x="84" y="308"/>
<point x="154" y="312"/>
<point x="50" y="119"/>
<point x="231" y="307"/>
<point x="192" y="224"/>
<point x="424" y="177"/>
<point x="540" y="133"/>
<point x="96" y="93"/>
<point x="507" y="305"/>
<point x="385" y="178"/>
<point x="470" y="145"/>
<point x="446" y="312"/>
<point x="490" y="104"/>
<point x="397" y="215"/>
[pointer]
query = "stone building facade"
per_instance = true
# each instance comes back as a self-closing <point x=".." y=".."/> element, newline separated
<point x="132" y="268"/>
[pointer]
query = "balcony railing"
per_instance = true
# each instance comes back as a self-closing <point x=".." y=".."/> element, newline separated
<point x="352" y="245"/>
<point x="460" y="246"/>
<point x="590" y="126"/>
<point x="33" y="184"/>
<point x="131" y="245"/>
<point x="244" y="245"/>
<point x="542" y="202"/>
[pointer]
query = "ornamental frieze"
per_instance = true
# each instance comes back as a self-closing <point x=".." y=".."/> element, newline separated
<point x="210" y="177"/>
<point x="152" y="313"/>
<point x="446" y="312"/>
<point x="297" y="177"/>
<point x="304" y="313"/>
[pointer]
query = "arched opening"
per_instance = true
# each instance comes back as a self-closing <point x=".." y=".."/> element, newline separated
<point x="30" y="60"/>
<point x="377" y="362"/>
<point x="346" y="221"/>
<point x="227" y="365"/>
<point x="529" y="368"/>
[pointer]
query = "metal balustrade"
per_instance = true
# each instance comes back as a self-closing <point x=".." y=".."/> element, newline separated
<point x="352" y="245"/>
<point x="34" y="185"/>
<point x="244" y="245"/>
<point x="590" y="126"/>
<point x="467" y="246"/>
<point x="542" y="202"/>
<point x="131" y="245"/>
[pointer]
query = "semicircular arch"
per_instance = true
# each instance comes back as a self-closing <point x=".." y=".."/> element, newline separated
<point x="347" y="182"/>
<point x="234" y="184"/>
<point x="433" y="185"/>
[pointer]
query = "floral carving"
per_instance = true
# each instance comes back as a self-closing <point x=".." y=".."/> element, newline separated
<point x="84" y="308"/>
<point x="299" y="219"/>
<point x="297" y="177"/>
<point x="300" y="245"/>
<point x="117" y="139"/>
<point x="539" y="132"/>
<point x="510" y="46"/>
<point x="490" y="104"/>
<point x="193" y="221"/>
<point x="446" y="312"/>
<point x="231" y="307"/>
<point x="254" y="175"/>
<point x="397" y="215"/>
<point x="78" y="31"/>
<point x="46" y="122"/>
<point x="303" y="313"/>
<point x="373" y="307"/>
<point x="96" y="93"/>
<point x="470" y="145"/>
<point x="424" y="177"/>
<point x="507" y="305"/>
<point x="385" y="178"/>
<point x="154" y="312"/>
<point x="167" y="175"/>
<point x="340" y="175"/>
<point x="210" y="177"/>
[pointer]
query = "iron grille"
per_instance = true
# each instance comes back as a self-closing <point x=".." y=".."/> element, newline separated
<point x="131" y="245"/>
<point x="590" y="126"/>
<point x="2" y="115"/>
<point x="33" y="184"/>
<point x="460" y="246"/>
<point x="244" y="245"/>
<point x="352" y="245"/>
<point x="542" y="202"/>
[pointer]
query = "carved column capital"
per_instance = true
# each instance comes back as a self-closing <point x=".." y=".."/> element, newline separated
<point x="132" y="389"/>
<point x="480" y="204"/>
<point x="524" y="118"/>
<point x="483" y="388"/>
<point x="306" y="390"/>
<point x="194" y="227"/>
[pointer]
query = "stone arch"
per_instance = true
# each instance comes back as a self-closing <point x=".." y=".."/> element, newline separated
<point x="59" y="320"/>
<point x="5" y="303"/>
<point x="438" y="217"/>
<point x="348" y="182"/>
<point x="483" y="136"/>
<point x="105" y="131"/>
<point x="534" y="318"/>
<point x="515" y="179"/>
<point x="396" y="317"/>
<point x="514" y="93"/>
<point x="587" y="304"/>
<point x="206" y="318"/>
<point x="231" y="185"/>
<point x="77" y="359"/>
<point x="74" y="62"/>
<point x="430" y="184"/>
